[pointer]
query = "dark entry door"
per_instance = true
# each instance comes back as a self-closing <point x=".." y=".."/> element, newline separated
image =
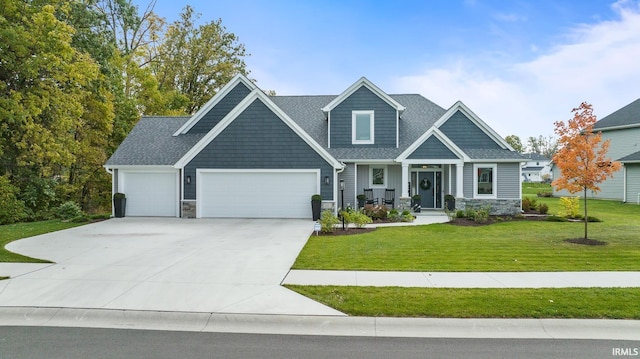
<point x="426" y="189"/>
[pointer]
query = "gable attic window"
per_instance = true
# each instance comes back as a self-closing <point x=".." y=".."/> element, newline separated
<point x="362" y="128"/>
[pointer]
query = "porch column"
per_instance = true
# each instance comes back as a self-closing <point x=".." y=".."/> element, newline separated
<point x="459" y="180"/>
<point x="405" y="180"/>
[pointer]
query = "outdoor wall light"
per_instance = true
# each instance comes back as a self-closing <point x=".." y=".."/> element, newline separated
<point x="342" y="185"/>
<point x="326" y="179"/>
<point x="188" y="179"/>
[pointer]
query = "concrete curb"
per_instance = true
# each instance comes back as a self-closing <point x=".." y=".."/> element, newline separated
<point x="323" y="325"/>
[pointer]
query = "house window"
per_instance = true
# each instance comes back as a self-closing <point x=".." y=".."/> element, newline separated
<point x="362" y="127"/>
<point x="378" y="176"/>
<point x="484" y="181"/>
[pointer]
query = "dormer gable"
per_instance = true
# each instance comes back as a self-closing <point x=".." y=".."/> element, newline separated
<point x="363" y="82"/>
<point x="363" y="116"/>
<point x="219" y="106"/>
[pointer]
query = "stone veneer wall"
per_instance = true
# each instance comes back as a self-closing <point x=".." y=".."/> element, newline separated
<point x="499" y="207"/>
<point x="188" y="209"/>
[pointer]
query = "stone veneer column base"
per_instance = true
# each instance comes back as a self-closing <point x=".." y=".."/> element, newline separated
<point x="189" y="209"/>
<point x="499" y="207"/>
<point x="404" y="204"/>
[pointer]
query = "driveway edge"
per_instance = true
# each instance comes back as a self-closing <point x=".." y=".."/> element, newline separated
<point x="604" y="329"/>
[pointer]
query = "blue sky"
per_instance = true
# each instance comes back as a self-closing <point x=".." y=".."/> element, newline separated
<point x="519" y="65"/>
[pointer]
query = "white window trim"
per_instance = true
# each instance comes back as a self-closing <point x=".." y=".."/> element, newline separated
<point x="384" y="180"/>
<point x="372" y="121"/>
<point x="494" y="184"/>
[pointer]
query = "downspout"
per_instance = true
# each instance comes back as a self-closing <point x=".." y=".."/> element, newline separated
<point x="110" y="171"/>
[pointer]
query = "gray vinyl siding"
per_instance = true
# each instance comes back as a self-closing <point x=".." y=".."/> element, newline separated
<point x="221" y="109"/>
<point x="454" y="177"/>
<point x="363" y="100"/>
<point x="633" y="182"/>
<point x="465" y="134"/>
<point x="623" y="143"/>
<point x="509" y="180"/>
<point x="467" y="179"/>
<point x="432" y="148"/>
<point x="349" y="177"/>
<point x="394" y="181"/>
<point x="362" y="178"/>
<point x="258" y="139"/>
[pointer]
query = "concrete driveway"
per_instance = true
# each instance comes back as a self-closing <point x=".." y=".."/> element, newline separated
<point x="165" y="264"/>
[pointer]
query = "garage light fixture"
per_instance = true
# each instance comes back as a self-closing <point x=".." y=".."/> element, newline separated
<point x="326" y="179"/>
<point x="188" y="179"/>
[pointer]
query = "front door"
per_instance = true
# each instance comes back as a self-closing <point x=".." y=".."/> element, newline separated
<point x="426" y="186"/>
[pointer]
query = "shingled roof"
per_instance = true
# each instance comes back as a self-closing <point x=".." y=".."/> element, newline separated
<point x="628" y="116"/>
<point x="151" y="143"/>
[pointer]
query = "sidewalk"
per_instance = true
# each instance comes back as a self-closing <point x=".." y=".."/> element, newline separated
<point x="464" y="279"/>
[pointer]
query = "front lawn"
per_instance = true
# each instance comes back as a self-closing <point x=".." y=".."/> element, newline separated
<point x="594" y="303"/>
<point x="12" y="232"/>
<point x="511" y="246"/>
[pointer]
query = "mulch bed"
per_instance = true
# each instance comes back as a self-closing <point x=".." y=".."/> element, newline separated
<point x="586" y="241"/>
<point x="494" y="219"/>
<point x="348" y="231"/>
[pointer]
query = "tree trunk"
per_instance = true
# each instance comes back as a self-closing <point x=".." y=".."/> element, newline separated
<point x="585" y="214"/>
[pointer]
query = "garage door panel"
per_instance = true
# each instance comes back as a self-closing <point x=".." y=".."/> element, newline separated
<point x="256" y="194"/>
<point x="151" y="194"/>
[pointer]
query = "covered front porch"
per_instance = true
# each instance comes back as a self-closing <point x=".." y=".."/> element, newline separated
<point x="430" y="180"/>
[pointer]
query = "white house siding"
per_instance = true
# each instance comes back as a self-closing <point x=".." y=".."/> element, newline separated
<point x="633" y="182"/>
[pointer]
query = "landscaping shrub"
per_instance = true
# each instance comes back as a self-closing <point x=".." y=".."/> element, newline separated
<point x="11" y="208"/>
<point x="459" y="213"/>
<point x="328" y="221"/>
<point x="482" y="214"/>
<point x="529" y="204"/>
<point x="556" y="219"/>
<point x="394" y="215"/>
<point x="545" y="194"/>
<point x="360" y="219"/>
<point x="68" y="210"/>
<point x="469" y="213"/>
<point x="407" y="216"/>
<point x="543" y="208"/>
<point x="375" y="212"/>
<point x="593" y="219"/>
<point x="569" y="207"/>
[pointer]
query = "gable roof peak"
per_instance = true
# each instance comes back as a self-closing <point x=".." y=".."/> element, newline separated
<point x="237" y="79"/>
<point x="363" y="82"/>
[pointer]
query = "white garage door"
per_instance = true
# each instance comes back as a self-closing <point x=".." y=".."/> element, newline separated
<point x="256" y="194"/>
<point x="152" y="194"/>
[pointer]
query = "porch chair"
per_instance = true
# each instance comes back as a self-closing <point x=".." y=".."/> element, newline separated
<point x="390" y="197"/>
<point x="368" y="192"/>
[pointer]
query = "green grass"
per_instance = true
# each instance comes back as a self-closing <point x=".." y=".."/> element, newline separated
<point x="532" y="189"/>
<point x="12" y="232"/>
<point x="595" y="303"/>
<point x="511" y="246"/>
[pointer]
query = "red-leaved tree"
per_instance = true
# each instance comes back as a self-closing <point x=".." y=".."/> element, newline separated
<point x="582" y="156"/>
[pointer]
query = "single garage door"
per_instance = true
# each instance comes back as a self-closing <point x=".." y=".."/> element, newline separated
<point x="256" y="194"/>
<point x="151" y="194"/>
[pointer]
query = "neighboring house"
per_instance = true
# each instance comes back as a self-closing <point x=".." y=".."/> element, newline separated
<point x="245" y="154"/>
<point x="622" y="127"/>
<point x="537" y="168"/>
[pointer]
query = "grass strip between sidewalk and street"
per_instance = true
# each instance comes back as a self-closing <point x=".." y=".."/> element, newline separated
<point x="584" y="303"/>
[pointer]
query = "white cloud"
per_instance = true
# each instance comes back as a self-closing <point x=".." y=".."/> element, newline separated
<point x="597" y="63"/>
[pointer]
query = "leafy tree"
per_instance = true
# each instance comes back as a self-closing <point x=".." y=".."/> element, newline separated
<point x="196" y="61"/>
<point x="546" y="146"/>
<point x="582" y="157"/>
<point x="515" y="143"/>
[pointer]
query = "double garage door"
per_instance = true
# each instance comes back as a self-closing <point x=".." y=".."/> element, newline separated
<point x="256" y="193"/>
